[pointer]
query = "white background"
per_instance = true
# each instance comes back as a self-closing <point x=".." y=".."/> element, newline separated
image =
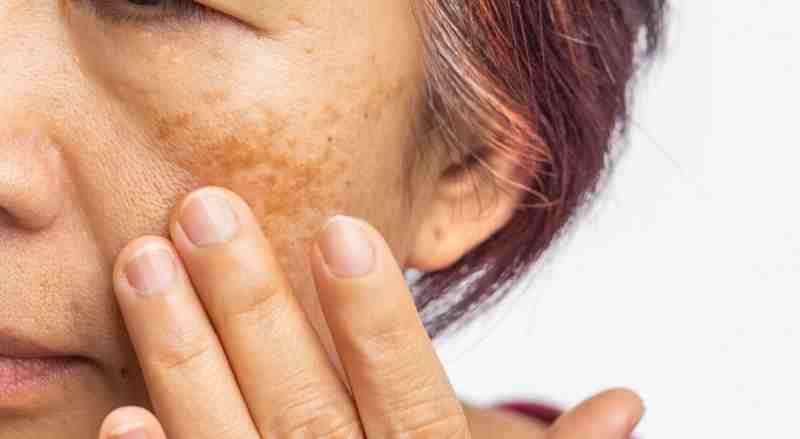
<point x="682" y="283"/>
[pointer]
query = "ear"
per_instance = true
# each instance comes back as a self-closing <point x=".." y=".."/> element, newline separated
<point x="470" y="201"/>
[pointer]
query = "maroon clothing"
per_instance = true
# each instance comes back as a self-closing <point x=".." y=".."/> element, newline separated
<point x="540" y="412"/>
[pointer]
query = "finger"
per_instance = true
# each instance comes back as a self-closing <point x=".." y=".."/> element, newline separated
<point x="281" y="366"/>
<point x="610" y="415"/>
<point x="400" y="387"/>
<point x="131" y="423"/>
<point x="188" y="378"/>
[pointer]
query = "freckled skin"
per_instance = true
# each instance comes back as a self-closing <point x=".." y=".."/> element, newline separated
<point x="307" y="120"/>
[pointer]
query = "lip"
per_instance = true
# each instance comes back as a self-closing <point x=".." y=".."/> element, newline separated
<point x="30" y="371"/>
<point x="15" y="346"/>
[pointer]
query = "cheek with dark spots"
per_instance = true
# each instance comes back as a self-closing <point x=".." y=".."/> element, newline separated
<point x="287" y="175"/>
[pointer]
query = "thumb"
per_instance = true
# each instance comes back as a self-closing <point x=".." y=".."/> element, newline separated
<point x="612" y="414"/>
<point x="131" y="423"/>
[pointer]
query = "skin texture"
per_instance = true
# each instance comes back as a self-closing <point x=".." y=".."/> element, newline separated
<point x="305" y="109"/>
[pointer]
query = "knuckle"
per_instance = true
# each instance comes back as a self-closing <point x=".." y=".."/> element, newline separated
<point x="314" y="415"/>
<point x="259" y="297"/>
<point x="394" y="359"/>
<point x="320" y="428"/>
<point x="387" y="349"/>
<point x="181" y="351"/>
<point x="427" y="407"/>
<point x="424" y="421"/>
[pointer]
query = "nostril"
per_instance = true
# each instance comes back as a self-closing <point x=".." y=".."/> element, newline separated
<point x="31" y="182"/>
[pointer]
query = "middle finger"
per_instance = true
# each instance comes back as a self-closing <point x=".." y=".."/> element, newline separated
<point x="283" y="371"/>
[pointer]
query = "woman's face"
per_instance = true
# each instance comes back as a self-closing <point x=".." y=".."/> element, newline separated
<point x="113" y="110"/>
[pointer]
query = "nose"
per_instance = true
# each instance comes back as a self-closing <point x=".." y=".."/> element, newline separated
<point x="32" y="173"/>
<point x="31" y="184"/>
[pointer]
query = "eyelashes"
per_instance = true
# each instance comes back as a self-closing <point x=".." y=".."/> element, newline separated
<point x="148" y="11"/>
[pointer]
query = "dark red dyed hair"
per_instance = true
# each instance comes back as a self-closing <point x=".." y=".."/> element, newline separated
<point x="546" y="82"/>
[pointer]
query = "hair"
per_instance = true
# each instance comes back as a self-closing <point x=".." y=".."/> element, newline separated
<point x="546" y="82"/>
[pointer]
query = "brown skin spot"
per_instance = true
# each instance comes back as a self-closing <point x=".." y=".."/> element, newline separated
<point x="215" y="97"/>
<point x="281" y="176"/>
<point x="233" y="149"/>
<point x="383" y="96"/>
<point x="330" y="115"/>
<point x="168" y="127"/>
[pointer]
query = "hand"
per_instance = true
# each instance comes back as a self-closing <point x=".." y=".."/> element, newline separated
<point x="227" y="352"/>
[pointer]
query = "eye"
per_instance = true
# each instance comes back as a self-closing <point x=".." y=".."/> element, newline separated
<point x="147" y="10"/>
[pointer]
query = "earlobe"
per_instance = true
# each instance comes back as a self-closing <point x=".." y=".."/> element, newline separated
<point x="468" y="206"/>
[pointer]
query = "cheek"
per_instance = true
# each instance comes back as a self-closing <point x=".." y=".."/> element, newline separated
<point x="298" y="170"/>
<point x="301" y="137"/>
<point x="295" y="168"/>
<point x="300" y="160"/>
<point x="293" y="177"/>
<point x="223" y="121"/>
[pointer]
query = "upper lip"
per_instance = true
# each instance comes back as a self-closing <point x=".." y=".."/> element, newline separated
<point x="17" y="346"/>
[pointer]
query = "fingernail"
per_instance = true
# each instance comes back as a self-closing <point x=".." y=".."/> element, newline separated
<point x="346" y="248"/>
<point x="208" y="219"/>
<point x="152" y="271"/>
<point x="129" y="432"/>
